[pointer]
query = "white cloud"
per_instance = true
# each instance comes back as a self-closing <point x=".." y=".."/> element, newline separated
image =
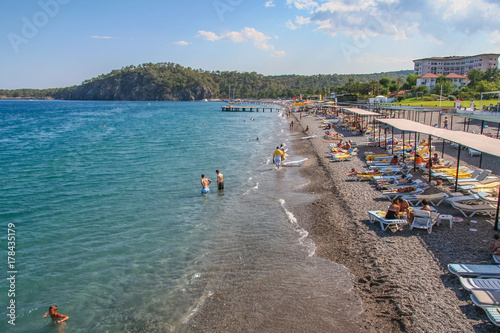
<point x="278" y="54"/>
<point x="257" y="38"/>
<point x="181" y="43"/>
<point x="290" y="25"/>
<point x="301" y="20"/>
<point x="270" y="3"/>
<point x="495" y="38"/>
<point x="207" y="35"/>
<point x="101" y="37"/>
<point x="303" y="4"/>
<point x="436" y="20"/>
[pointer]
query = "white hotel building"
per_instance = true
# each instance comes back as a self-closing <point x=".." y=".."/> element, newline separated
<point x="455" y="64"/>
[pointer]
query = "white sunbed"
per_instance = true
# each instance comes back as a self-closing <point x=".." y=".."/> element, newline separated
<point x="485" y="298"/>
<point x="394" y="195"/>
<point x="480" y="284"/>
<point x="493" y="315"/>
<point x="378" y="216"/>
<point x="473" y="152"/>
<point x="474" y="209"/>
<point x="434" y="199"/>
<point x="476" y="271"/>
<point x="462" y="198"/>
<point x="423" y="220"/>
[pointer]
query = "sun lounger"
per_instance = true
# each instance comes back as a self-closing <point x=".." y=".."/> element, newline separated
<point x="473" y="209"/>
<point x="473" y="152"/>
<point x="493" y="315"/>
<point x="434" y="199"/>
<point x="485" y="298"/>
<point x="487" y="180"/>
<point x="394" y="195"/>
<point x="478" y="178"/>
<point x="478" y="186"/>
<point x="463" y="174"/>
<point x="378" y="216"/>
<point x="480" y="284"/>
<point x="475" y="271"/>
<point x="423" y="220"/>
<point x="462" y="198"/>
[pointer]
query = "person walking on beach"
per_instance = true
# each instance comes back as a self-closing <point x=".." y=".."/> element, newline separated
<point x="277" y="157"/>
<point x="205" y="182"/>
<point x="220" y="180"/>
<point x="291" y="125"/>
<point x="445" y="123"/>
<point x="57" y="317"/>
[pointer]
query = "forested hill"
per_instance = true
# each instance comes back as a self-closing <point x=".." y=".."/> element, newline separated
<point x="173" y="82"/>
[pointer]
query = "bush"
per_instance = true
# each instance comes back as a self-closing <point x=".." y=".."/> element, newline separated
<point x="452" y="98"/>
<point x="428" y="98"/>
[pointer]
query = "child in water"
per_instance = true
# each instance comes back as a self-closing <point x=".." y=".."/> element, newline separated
<point x="59" y="318"/>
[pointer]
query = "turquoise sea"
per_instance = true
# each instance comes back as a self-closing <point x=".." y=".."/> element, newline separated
<point x="104" y="200"/>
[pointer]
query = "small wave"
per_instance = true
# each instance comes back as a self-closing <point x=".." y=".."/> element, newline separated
<point x="303" y="240"/>
<point x="256" y="187"/>
<point x="197" y="307"/>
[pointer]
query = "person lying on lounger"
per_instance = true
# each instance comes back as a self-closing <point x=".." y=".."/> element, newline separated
<point x="354" y="172"/>
<point x="495" y="247"/>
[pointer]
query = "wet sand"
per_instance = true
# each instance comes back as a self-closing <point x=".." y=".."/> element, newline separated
<point x="401" y="277"/>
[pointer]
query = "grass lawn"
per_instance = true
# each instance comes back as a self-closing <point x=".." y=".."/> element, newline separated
<point x="444" y="104"/>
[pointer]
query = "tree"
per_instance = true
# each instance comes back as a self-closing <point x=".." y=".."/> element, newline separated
<point x="393" y="87"/>
<point x="411" y="81"/>
<point x="444" y="85"/>
<point x="385" y="82"/>
<point x="475" y="75"/>
<point x="491" y="74"/>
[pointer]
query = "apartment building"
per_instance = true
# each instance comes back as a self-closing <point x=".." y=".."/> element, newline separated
<point x="455" y="64"/>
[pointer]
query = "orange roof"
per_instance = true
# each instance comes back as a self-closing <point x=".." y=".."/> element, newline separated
<point x="456" y="76"/>
<point x="429" y="76"/>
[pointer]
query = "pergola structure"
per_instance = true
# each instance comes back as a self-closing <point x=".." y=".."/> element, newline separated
<point x="475" y="141"/>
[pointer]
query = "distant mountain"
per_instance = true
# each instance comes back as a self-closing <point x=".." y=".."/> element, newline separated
<point x="173" y="82"/>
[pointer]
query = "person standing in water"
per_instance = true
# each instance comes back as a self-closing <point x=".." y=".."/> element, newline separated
<point x="205" y="182"/>
<point x="220" y="180"/>
<point x="277" y="157"/>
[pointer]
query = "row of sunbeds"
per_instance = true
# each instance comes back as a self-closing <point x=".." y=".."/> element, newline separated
<point x="483" y="282"/>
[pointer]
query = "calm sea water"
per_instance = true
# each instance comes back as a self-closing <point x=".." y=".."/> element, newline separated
<point x="111" y="226"/>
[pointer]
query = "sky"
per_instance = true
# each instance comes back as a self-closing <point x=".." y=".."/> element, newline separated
<point x="60" y="43"/>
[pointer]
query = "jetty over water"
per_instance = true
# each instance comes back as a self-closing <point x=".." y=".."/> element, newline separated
<point x="248" y="108"/>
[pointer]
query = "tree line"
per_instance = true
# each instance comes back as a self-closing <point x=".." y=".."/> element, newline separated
<point x="170" y="81"/>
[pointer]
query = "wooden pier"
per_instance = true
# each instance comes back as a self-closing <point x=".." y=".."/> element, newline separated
<point x="247" y="108"/>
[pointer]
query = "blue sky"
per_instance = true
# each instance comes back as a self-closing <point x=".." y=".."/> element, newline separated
<point x="59" y="43"/>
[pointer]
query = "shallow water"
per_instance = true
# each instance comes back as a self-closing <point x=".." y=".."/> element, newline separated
<point x="111" y="226"/>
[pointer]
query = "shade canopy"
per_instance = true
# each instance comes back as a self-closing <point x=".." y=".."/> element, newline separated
<point x="361" y="112"/>
<point x="475" y="141"/>
<point x="491" y="119"/>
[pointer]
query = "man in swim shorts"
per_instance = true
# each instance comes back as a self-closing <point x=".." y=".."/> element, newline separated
<point x="220" y="180"/>
<point x="204" y="183"/>
<point x="277" y="157"/>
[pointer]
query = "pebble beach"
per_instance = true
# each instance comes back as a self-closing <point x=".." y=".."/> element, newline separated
<point x="400" y="276"/>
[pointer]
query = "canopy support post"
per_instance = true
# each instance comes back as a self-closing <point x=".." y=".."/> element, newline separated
<point x="403" y="134"/>
<point x="458" y="165"/>
<point x="392" y="151"/>
<point x="497" y="227"/>
<point x="430" y="158"/>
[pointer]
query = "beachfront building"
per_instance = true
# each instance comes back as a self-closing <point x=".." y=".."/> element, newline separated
<point x="455" y="64"/>
<point x="429" y="80"/>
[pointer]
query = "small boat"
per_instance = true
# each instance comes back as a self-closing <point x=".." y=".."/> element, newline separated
<point x="309" y="137"/>
<point x="295" y="163"/>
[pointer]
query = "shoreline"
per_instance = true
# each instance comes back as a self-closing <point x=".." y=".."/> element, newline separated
<point x="401" y="277"/>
